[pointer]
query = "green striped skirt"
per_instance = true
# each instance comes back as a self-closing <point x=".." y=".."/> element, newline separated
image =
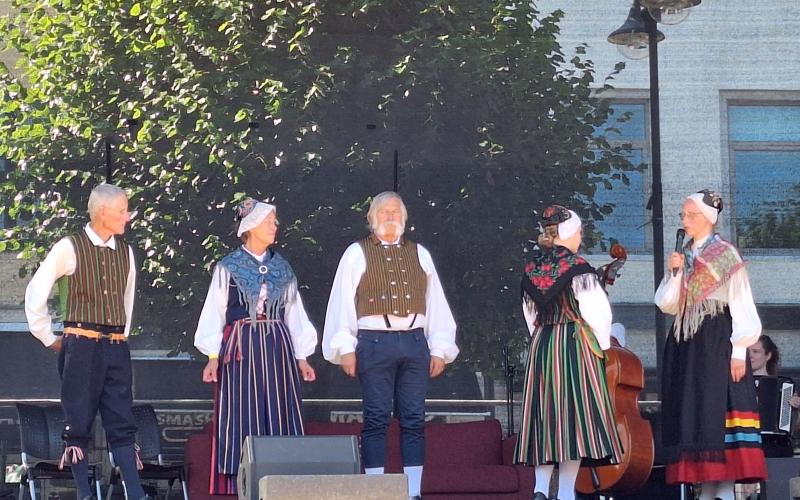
<point x="567" y="413"/>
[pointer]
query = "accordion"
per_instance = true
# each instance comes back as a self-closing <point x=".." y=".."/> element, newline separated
<point x="773" y="403"/>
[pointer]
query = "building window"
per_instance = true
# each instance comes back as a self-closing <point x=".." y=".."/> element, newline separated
<point x="764" y="155"/>
<point x="627" y="192"/>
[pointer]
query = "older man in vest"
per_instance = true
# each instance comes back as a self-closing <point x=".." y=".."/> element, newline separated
<point x="94" y="361"/>
<point x="388" y="322"/>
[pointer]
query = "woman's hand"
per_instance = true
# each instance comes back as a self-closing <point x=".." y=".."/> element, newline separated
<point x="675" y="261"/>
<point x="737" y="369"/>
<point x="210" y="371"/>
<point x="306" y="371"/>
<point x="794" y="401"/>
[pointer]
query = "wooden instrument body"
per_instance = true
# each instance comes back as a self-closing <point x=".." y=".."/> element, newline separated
<point x="625" y="376"/>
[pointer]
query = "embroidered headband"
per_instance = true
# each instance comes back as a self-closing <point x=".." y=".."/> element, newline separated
<point x="250" y="213"/>
<point x="568" y="221"/>
<point x="709" y="203"/>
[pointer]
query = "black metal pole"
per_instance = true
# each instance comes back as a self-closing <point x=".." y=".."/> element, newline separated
<point x="509" y="369"/>
<point x="109" y="161"/>
<point x="396" y="173"/>
<point x="656" y="200"/>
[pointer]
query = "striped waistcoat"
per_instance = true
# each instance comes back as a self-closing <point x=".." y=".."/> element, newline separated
<point x="394" y="282"/>
<point x="96" y="291"/>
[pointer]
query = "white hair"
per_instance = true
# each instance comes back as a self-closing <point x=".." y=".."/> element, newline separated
<point x="379" y="200"/>
<point x="102" y="195"/>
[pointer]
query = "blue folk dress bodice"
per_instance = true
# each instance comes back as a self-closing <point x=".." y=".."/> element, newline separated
<point x="248" y="275"/>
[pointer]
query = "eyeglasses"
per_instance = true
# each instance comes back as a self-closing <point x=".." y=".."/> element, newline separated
<point x="689" y="215"/>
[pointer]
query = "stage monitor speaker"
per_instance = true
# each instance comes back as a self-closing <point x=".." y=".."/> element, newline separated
<point x="780" y="471"/>
<point x="294" y="455"/>
<point x="334" y="487"/>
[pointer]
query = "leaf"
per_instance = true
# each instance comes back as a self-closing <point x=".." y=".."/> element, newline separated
<point x="136" y="9"/>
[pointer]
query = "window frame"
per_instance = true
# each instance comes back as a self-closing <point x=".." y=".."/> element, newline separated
<point x="730" y="147"/>
<point x="639" y="97"/>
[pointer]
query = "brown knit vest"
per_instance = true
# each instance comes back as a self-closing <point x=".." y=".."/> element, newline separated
<point x="96" y="291"/>
<point x="394" y="281"/>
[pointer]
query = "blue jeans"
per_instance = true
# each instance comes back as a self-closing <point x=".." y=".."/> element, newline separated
<point x="393" y="368"/>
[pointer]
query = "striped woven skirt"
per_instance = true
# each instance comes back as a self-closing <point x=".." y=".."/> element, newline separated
<point x="710" y="425"/>
<point x="258" y="394"/>
<point x="567" y="413"/>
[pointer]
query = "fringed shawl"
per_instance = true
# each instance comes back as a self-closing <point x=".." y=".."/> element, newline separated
<point x="712" y="268"/>
<point x="248" y="274"/>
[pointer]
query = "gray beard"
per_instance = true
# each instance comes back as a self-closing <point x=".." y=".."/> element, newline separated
<point x="380" y="231"/>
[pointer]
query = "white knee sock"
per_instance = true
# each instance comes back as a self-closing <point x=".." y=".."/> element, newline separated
<point x="543" y="474"/>
<point x="567" y="474"/>
<point x="414" y="474"/>
<point x="374" y="470"/>
<point x="709" y="491"/>
<point x="725" y="490"/>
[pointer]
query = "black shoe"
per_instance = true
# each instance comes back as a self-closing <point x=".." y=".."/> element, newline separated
<point x="539" y="496"/>
<point x="89" y="497"/>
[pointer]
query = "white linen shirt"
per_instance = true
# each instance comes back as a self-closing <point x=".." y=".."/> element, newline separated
<point x="61" y="261"/>
<point x="593" y="306"/>
<point x="342" y="322"/>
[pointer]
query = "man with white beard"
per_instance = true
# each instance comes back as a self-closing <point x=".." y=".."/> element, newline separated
<point x="388" y="322"/>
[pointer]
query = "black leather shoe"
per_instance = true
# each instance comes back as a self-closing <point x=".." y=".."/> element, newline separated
<point x="539" y="496"/>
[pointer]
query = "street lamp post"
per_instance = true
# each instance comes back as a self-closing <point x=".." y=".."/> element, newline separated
<point x="638" y="37"/>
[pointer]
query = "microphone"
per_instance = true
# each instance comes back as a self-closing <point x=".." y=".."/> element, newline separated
<point x="679" y="236"/>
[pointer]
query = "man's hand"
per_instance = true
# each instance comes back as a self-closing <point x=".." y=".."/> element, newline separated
<point x="210" y="371"/>
<point x="348" y="362"/>
<point x="306" y="370"/>
<point x="737" y="369"/>
<point x="56" y="346"/>
<point x="437" y="366"/>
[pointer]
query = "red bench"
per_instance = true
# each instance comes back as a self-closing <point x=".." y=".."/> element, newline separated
<point x="463" y="461"/>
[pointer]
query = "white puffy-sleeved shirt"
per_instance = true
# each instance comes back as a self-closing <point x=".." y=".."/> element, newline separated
<point x="208" y="337"/>
<point x="62" y="261"/>
<point x="735" y="292"/>
<point x="593" y="306"/>
<point x="342" y="322"/>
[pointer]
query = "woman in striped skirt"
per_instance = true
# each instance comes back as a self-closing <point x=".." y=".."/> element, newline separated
<point x="257" y="335"/>
<point x="567" y="413"/>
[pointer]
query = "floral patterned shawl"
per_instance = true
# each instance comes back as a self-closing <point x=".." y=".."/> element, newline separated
<point x="549" y="272"/>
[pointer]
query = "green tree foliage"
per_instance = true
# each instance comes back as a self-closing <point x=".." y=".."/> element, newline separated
<point x="776" y="224"/>
<point x="304" y="102"/>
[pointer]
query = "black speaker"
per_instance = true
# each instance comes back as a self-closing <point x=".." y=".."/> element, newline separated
<point x="294" y="455"/>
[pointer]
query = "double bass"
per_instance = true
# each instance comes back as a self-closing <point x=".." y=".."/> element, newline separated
<point x="625" y="376"/>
